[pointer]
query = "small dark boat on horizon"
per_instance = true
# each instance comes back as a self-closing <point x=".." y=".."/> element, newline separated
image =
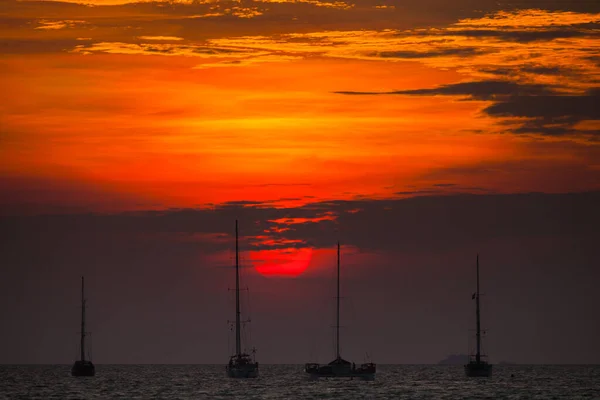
<point x="241" y="365"/>
<point x="478" y="366"/>
<point x="83" y="367"/>
<point x="340" y="368"/>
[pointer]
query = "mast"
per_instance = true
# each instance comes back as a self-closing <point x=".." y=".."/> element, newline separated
<point x="337" y="322"/>
<point x="82" y="321"/>
<point x="238" y="343"/>
<point x="478" y="318"/>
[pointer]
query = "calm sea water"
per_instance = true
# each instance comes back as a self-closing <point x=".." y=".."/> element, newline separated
<point x="288" y="382"/>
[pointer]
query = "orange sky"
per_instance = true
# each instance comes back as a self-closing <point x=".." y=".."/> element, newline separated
<point x="140" y="107"/>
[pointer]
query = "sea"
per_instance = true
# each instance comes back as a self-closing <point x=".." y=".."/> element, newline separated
<point x="289" y="382"/>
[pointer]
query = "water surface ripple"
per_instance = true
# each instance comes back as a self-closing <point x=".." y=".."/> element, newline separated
<point x="289" y="382"/>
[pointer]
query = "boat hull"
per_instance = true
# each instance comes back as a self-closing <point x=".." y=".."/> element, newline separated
<point x="242" y="371"/>
<point x="364" y="372"/>
<point x="363" y="376"/>
<point x="83" y="368"/>
<point x="478" y="370"/>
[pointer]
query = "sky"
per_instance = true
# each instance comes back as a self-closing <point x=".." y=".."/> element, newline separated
<point x="417" y="133"/>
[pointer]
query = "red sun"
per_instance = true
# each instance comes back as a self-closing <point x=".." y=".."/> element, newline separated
<point x="281" y="262"/>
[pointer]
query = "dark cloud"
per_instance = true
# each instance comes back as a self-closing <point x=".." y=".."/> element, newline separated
<point x="241" y="203"/>
<point x="550" y="112"/>
<point x="155" y="272"/>
<point x="545" y="70"/>
<point x="37" y="195"/>
<point x="549" y="107"/>
<point x="423" y="212"/>
<point x="459" y="52"/>
<point x="526" y="36"/>
<point x="535" y="69"/>
<point x="553" y="5"/>
<point x="152" y="49"/>
<point x="549" y="115"/>
<point x="417" y="192"/>
<point x="595" y="59"/>
<point x="256" y="217"/>
<point x="202" y="20"/>
<point x="555" y="174"/>
<point x="37" y="46"/>
<point x="479" y="90"/>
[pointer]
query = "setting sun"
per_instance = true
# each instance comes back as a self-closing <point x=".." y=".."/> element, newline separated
<point x="281" y="262"/>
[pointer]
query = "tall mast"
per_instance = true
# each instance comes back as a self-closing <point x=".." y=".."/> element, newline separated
<point x="337" y="323"/>
<point x="238" y="344"/>
<point x="82" y="321"/>
<point x="478" y="319"/>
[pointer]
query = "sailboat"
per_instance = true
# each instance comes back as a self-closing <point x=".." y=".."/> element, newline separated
<point x="83" y="367"/>
<point x="477" y="366"/>
<point x="340" y="368"/>
<point x="241" y="365"/>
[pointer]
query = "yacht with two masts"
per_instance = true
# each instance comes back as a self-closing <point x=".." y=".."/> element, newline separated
<point x="340" y="368"/>
<point x="241" y="365"/>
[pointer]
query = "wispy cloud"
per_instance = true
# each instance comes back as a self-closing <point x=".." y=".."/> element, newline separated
<point x="529" y="19"/>
<point x="58" y="24"/>
<point x="161" y="38"/>
<point x="167" y="49"/>
<point x="342" y="5"/>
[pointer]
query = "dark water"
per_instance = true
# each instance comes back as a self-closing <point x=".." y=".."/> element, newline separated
<point x="288" y="382"/>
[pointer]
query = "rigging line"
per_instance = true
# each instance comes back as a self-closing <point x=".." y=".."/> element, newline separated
<point x="333" y="342"/>
<point x="243" y="304"/>
<point x="315" y="343"/>
<point x="332" y="288"/>
<point x="311" y="347"/>
<point x="230" y="323"/>
<point x="249" y="313"/>
<point x="249" y="319"/>
<point x="228" y="337"/>
<point x="242" y="278"/>
<point x="350" y="332"/>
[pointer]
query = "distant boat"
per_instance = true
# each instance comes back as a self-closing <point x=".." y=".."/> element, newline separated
<point x="241" y="365"/>
<point x="83" y="367"/>
<point x="340" y="368"/>
<point x="477" y="366"/>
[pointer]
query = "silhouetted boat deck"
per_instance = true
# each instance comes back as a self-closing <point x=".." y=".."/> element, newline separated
<point x="340" y="368"/>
